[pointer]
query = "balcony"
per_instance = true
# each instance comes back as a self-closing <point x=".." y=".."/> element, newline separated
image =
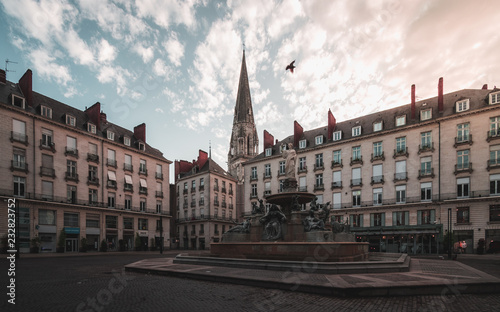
<point x="201" y="202"/>
<point x="193" y="189"/>
<point x="18" y="137"/>
<point x="230" y="192"/>
<point x="253" y="196"/>
<point x="159" y="194"/>
<point x="224" y="190"/>
<point x="201" y="188"/>
<point x="159" y="175"/>
<point x="143" y="171"/>
<point x="302" y="169"/>
<point x="45" y="145"/>
<point x="111" y="184"/>
<point x="428" y="173"/>
<point x="356" y="160"/>
<point x="223" y="204"/>
<point x="463" y="140"/>
<point x="462" y="168"/>
<point x="128" y="167"/>
<point x="216" y="203"/>
<point x="231" y="206"/>
<point x="47" y="172"/>
<point x="336" y="185"/>
<point x="493" y="134"/>
<point x="193" y="204"/>
<point x="302" y="188"/>
<point x="92" y="180"/>
<point x="492" y="164"/>
<point x="281" y="173"/>
<point x="401" y="176"/>
<point x="337" y="164"/>
<point x="253" y="177"/>
<point x="216" y="188"/>
<point x="319" y="166"/>
<point x="71" y="176"/>
<point x="356" y="182"/>
<point x="143" y="190"/>
<point x="185" y="191"/>
<point x="426" y="148"/>
<point x="402" y="152"/>
<point x="377" y="180"/>
<point x="18" y="166"/>
<point x="111" y="163"/>
<point x="267" y="175"/>
<point x="70" y="151"/>
<point x="128" y="187"/>
<point x="319" y="187"/>
<point x="93" y="158"/>
<point x="376" y="157"/>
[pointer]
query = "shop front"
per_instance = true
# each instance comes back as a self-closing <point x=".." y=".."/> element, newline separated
<point x="48" y="238"/>
<point x="143" y="237"/>
<point x="465" y="240"/>
<point x="72" y="239"/>
<point x="128" y="240"/>
<point x="112" y="239"/>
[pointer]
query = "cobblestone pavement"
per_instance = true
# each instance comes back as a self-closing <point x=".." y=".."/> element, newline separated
<point x="98" y="283"/>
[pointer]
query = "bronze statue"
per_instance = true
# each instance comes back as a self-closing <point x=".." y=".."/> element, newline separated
<point x="243" y="227"/>
<point x="313" y="223"/>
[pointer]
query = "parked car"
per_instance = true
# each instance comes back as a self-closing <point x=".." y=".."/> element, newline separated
<point x="494" y="247"/>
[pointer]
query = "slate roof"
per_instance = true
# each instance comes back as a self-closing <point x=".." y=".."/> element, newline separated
<point x="210" y="166"/>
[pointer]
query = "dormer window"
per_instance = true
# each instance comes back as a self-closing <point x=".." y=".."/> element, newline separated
<point x="17" y="101"/>
<point x="126" y="141"/>
<point x="462" y="106"/>
<point x="302" y="144"/>
<point x="70" y="120"/>
<point x="377" y="126"/>
<point x="495" y="98"/>
<point x="318" y="140"/>
<point x="337" y="135"/>
<point x="91" y="128"/>
<point x="425" y="114"/>
<point x="111" y="135"/>
<point x="356" y="131"/>
<point x="142" y="146"/>
<point x="269" y="151"/>
<point x="46" y="111"/>
<point x="400" y="121"/>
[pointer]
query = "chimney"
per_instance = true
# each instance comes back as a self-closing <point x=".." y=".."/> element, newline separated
<point x="412" y="101"/>
<point x="3" y="76"/>
<point x="26" y="85"/>
<point x="202" y="158"/>
<point x="485" y="87"/>
<point x="104" y="119"/>
<point x="93" y="114"/>
<point x="268" y="140"/>
<point x="297" y="133"/>
<point x="440" y="95"/>
<point x="140" y="132"/>
<point x="331" y="124"/>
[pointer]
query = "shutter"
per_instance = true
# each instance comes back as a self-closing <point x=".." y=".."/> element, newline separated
<point x="377" y="170"/>
<point x="407" y="218"/>
<point x="372" y="221"/>
<point x="356" y="173"/>
<point x="433" y="216"/>
<point x="383" y="218"/>
<point x="336" y="176"/>
<point x="419" y="217"/>
<point x="394" y="219"/>
<point x="401" y="166"/>
<point x="361" y="221"/>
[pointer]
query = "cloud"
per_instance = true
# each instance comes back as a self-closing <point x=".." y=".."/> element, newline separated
<point x="159" y="110"/>
<point x="167" y="12"/>
<point x="161" y="69"/>
<point x="175" y="49"/>
<point x="45" y="66"/>
<point x="106" y="53"/>
<point x="146" y="54"/>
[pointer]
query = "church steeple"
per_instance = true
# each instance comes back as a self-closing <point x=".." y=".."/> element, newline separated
<point x="244" y="140"/>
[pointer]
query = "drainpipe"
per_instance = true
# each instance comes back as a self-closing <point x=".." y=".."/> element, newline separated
<point x="439" y="162"/>
<point x="34" y="158"/>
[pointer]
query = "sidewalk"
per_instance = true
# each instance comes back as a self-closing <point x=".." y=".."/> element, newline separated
<point x="97" y="253"/>
<point x="426" y="277"/>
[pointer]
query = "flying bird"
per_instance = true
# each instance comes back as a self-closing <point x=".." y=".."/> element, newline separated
<point x="290" y="67"/>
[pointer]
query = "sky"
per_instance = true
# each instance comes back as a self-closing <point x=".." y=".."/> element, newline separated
<point x="175" y="65"/>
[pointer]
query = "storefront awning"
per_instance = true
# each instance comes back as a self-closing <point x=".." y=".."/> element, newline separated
<point x="128" y="179"/>
<point x="111" y="176"/>
<point x="143" y="183"/>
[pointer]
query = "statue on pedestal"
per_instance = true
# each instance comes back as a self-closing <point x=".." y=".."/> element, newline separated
<point x="313" y="223"/>
<point x="272" y="223"/>
<point x="289" y="155"/>
<point x="338" y="227"/>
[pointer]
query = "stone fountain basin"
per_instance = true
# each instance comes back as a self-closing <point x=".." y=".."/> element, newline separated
<point x="284" y="199"/>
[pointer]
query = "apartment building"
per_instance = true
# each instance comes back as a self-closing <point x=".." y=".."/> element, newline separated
<point x="206" y="196"/>
<point x="75" y="172"/>
<point x="396" y="175"/>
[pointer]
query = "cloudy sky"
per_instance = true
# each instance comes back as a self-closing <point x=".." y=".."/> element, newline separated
<point x="175" y="64"/>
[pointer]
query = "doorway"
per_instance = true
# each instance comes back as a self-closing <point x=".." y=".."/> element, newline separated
<point x="71" y="244"/>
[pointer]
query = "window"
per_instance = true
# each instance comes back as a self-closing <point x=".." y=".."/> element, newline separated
<point x="302" y="184"/>
<point x="110" y="135"/>
<point x="19" y="186"/>
<point x="93" y="151"/>
<point x="111" y="200"/>
<point x="400" y="121"/>
<point x="19" y="159"/>
<point x="377" y="196"/>
<point x="128" y="202"/>
<point x="462" y="215"/>
<point x="47" y="138"/>
<point x="356" y="220"/>
<point x="71" y="146"/>
<point x="425" y="140"/>
<point x="47" y="190"/>
<point x="356" y="131"/>
<point x="142" y="204"/>
<point x="425" y="166"/>
<point x="46" y="111"/>
<point x="377" y="149"/>
<point x="356" y="198"/>
<point x="425" y="114"/>
<point x="111" y="222"/>
<point x="267" y="170"/>
<point x="400" y="218"/>
<point x="282" y="168"/>
<point x="377" y="126"/>
<point x="462" y="160"/>
<point x="127" y="165"/>
<point x="494" y="126"/>
<point x="126" y="141"/>
<point x="111" y="157"/>
<point x="426" y="191"/>
<point x="337" y="135"/>
<point x="302" y="164"/>
<point x="337" y="157"/>
<point x="494" y="155"/>
<point x="319" y="161"/>
<point x="254" y="190"/>
<point x="319" y="181"/>
<point x="494" y="213"/>
<point x="400" y="194"/>
<point x="426" y="216"/>
<point x="91" y="128"/>
<point x="269" y="151"/>
<point x="401" y="145"/>
<point x="19" y="131"/>
<point x="356" y="177"/>
<point x="337" y="200"/>
<point x="463" y="187"/>
<point x="71" y="169"/>
<point x="93" y="174"/>
<point x="142" y="167"/>
<point x="71" y="194"/>
<point x="71" y="219"/>
<point x="377" y="219"/>
<point x="356" y="153"/>
<point x="267" y="188"/>
<point x="128" y="186"/>
<point x="128" y="223"/>
<point x="495" y="98"/>
<point x="318" y="140"/>
<point x="400" y="170"/>
<point x="46" y="217"/>
<point x="70" y="120"/>
<point x="17" y="101"/>
<point x="143" y="224"/>
<point x="462" y="106"/>
<point x="463" y="133"/>
<point x="377" y="175"/>
<point x="495" y="184"/>
<point x="142" y="146"/>
<point x="253" y="173"/>
<point x="143" y="186"/>
<point x="302" y="143"/>
<point x="337" y="179"/>
<point x="92" y="196"/>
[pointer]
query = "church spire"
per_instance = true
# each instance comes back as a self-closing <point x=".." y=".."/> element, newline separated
<point x="243" y="110"/>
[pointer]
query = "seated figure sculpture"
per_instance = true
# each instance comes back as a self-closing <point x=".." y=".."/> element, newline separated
<point x="313" y="223"/>
<point x="338" y="227"/>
